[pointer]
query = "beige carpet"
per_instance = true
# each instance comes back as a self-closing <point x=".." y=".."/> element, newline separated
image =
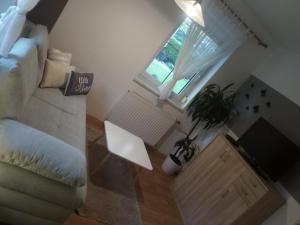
<point x="111" y="196"/>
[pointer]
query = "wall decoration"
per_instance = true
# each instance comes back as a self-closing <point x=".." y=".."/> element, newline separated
<point x="263" y="92"/>
<point x="256" y="108"/>
<point x="253" y="96"/>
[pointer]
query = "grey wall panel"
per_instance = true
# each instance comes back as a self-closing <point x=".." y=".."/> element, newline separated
<point x="283" y="114"/>
<point x="47" y="12"/>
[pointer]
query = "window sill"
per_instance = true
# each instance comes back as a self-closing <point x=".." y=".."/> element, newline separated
<point x="155" y="91"/>
<point x="193" y="92"/>
<point x="147" y="85"/>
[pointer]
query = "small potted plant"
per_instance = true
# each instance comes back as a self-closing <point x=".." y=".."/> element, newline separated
<point x="211" y="106"/>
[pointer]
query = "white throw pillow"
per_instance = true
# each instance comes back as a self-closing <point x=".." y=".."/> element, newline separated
<point x="57" y="55"/>
<point x="55" y="74"/>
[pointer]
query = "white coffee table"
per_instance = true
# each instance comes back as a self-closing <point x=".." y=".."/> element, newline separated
<point x="124" y="144"/>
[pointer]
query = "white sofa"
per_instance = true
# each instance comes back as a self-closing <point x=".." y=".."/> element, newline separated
<point x="42" y="142"/>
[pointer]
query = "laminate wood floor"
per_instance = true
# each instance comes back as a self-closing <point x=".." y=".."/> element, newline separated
<point x="156" y="201"/>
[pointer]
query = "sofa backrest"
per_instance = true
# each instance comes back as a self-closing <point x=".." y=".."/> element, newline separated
<point x="39" y="35"/>
<point x="18" y="75"/>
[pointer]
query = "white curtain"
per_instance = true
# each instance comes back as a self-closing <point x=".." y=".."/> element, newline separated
<point x="204" y="46"/>
<point x="12" y="23"/>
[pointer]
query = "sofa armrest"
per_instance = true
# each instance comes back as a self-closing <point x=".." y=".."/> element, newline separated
<point x="40" y="153"/>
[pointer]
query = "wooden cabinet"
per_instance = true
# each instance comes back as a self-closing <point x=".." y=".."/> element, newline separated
<point x="220" y="188"/>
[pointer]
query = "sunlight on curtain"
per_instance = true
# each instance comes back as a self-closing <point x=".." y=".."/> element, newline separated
<point x="205" y="46"/>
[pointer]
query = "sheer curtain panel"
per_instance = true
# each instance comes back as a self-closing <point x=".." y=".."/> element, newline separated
<point x="205" y="45"/>
<point x="12" y="23"/>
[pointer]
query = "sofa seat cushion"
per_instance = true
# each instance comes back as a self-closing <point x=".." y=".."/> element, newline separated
<point x="75" y="105"/>
<point x="28" y="148"/>
<point x="62" y="117"/>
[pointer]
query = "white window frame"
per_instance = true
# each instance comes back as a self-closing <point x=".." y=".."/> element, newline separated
<point x="179" y="101"/>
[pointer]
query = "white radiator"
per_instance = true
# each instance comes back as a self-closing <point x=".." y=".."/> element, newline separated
<point x="142" y="118"/>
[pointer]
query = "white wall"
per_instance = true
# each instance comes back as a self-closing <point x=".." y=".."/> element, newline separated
<point x="241" y="64"/>
<point x="115" y="39"/>
<point x="281" y="71"/>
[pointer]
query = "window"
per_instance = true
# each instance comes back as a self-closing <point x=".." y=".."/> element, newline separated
<point x="161" y="68"/>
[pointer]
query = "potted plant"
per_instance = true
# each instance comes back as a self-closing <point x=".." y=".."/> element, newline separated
<point x="211" y="106"/>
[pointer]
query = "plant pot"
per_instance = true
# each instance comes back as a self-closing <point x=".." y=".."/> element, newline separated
<point x="170" y="166"/>
<point x="205" y="137"/>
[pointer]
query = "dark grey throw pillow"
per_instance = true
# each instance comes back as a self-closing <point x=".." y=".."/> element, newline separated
<point x="79" y="83"/>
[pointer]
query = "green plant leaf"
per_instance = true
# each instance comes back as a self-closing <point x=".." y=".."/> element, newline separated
<point x="212" y="106"/>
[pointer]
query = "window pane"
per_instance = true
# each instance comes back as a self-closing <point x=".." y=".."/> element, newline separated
<point x="180" y="85"/>
<point x="158" y="70"/>
<point x="163" y="65"/>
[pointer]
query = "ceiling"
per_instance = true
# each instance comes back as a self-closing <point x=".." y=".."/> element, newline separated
<point x="279" y="19"/>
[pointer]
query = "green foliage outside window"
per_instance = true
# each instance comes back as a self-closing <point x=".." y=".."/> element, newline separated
<point x="163" y="65"/>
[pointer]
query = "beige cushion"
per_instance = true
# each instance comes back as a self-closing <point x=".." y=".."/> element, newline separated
<point x="58" y="55"/>
<point x="55" y="74"/>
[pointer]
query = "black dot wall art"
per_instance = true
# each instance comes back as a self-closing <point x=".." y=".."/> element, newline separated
<point x="256" y="108"/>
<point x="263" y="93"/>
<point x="254" y="94"/>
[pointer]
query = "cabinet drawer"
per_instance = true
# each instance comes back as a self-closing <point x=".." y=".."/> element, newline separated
<point x="245" y="192"/>
<point x="227" y="208"/>
<point x="249" y="187"/>
<point x="250" y="180"/>
<point x="206" y="165"/>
